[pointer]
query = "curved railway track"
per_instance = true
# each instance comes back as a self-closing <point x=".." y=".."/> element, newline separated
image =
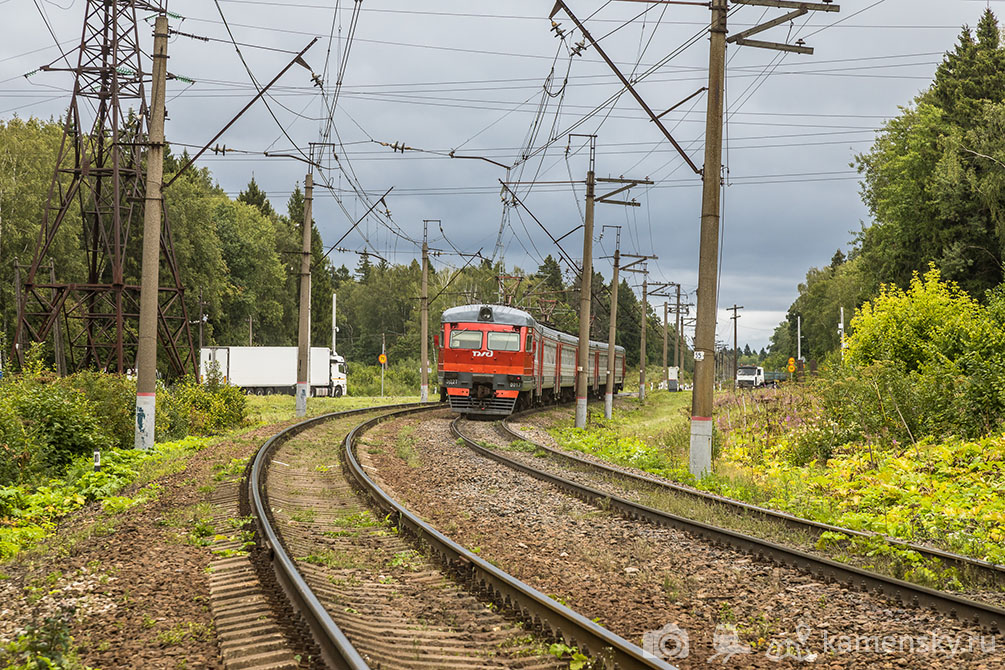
<point x="340" y="647"/>
<point x="992" y="573"/>
<point x="987" y="615"/>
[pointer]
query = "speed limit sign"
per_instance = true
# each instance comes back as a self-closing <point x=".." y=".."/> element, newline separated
<point x="383" y="359"/>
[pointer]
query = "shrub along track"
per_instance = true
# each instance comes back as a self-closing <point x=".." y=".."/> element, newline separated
<point x="636" y="577"/>
<point x="370" y="597"/>
<point x="985" y="580"/>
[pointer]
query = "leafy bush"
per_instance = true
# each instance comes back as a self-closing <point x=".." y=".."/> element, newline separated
<point x="926" y="361"/>
<point x="112" y="398"/>
<point x="45" y="426"/>
<point x="208" y="410"/>
<point x="28" y="514"/>
<point x="45" y="646"/>
<point x="46" y="421"/>
<point x="400" y="379"/>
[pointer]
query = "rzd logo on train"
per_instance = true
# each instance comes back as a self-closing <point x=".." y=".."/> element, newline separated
<point x="482" y="354"/>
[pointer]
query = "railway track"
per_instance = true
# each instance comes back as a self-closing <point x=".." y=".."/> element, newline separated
<point x="368" y="597"/>
<point x="981" y="571"/>
<point x="986" y="615"/>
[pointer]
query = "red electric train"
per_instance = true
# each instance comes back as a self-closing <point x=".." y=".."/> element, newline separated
<point x="495" y="360"/>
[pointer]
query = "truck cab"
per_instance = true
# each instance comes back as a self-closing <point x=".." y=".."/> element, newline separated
<point x="339" y="375"/>
<point x="749" y="376"/>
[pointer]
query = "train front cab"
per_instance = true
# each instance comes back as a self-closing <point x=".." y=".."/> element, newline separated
<point x="487" y="359"/>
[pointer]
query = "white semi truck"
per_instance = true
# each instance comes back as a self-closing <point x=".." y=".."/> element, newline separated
<point x="749" y="376"/>
<point x="267" y="370"/>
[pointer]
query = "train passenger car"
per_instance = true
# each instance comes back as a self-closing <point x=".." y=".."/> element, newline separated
<point x="495" y="360"/>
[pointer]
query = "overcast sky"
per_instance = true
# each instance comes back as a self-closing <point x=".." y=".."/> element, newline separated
<point x="487" y="79"/>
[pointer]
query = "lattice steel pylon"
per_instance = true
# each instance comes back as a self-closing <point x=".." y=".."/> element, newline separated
<point x="100" y="174"/>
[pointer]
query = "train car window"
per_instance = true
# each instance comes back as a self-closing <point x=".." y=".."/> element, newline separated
<point x="504" y="341"/>
<point x="530" y="342"/>
<point x="465" y="339"/>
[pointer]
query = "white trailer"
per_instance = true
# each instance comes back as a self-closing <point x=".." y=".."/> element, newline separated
<point x="267" y="370"/>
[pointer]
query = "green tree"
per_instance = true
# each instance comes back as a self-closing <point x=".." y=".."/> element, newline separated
<point x="256" y="277"/>
<point x="255" y="196"/>
<point x="550" y="274"/>
<point x="921" y="213"/>
<point x="971" y="73"/>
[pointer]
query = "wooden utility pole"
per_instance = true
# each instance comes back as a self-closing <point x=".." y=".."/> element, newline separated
<point x="676" y="340"/>
<point x="586" y="282"/>
<point x="585" y="297"/>
<point x="304" y="330"/>
<point x="666" y="369"/>
<point x="659" y="289"/>
<point x="643" y="358"/>
<point x="615" y="279"/>
<point x="700" y="460"/>
<point x="736" y="354"/>
<point x="146" y="357"/>
<point x="424" y="316"/>
<point x="612" y="332"/>
<point x="643" y="354"/>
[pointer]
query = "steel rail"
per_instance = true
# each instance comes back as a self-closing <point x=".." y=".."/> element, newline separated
<point x="992" y="571"/>
<point x="988" y="616"/>
<point x="336" y="649"/>
<point x="602" y="644"/>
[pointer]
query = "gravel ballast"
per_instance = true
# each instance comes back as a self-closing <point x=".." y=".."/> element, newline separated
<point x="638" y="578"/>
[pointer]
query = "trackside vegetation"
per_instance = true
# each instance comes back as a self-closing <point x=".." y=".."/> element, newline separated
<point x="905" y="437"/>
<point x="50" y="428"/>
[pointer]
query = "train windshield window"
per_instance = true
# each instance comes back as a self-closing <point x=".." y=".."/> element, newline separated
<point x="465" y="339"/>
<point x="504" y="341"/>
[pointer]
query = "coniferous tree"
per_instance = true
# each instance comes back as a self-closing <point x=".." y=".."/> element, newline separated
<point x="255" y="196"/>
